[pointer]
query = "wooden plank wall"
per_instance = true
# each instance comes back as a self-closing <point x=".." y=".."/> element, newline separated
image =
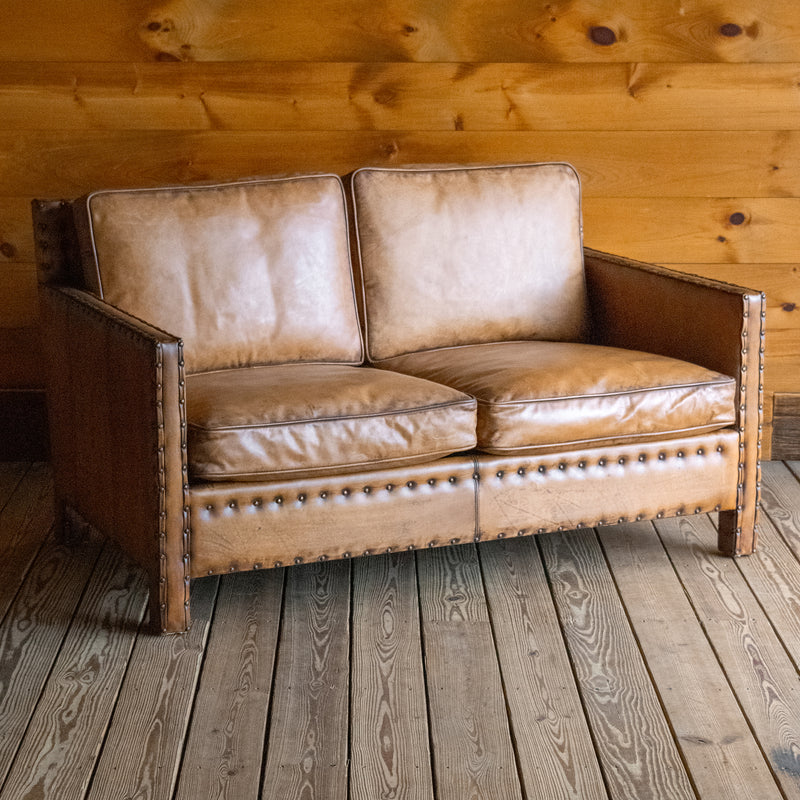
<point x="683" y="118"/>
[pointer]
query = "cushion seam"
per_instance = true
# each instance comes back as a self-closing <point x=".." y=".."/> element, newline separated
<point x="577" y="442"/>
<point x="285" y="423"/>
<point x="315" y="469"/>
<point x="555" y="398"/>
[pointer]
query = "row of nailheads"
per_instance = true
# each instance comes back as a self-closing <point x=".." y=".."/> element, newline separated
<point x="477" y="538"/>
<point x="279" y="500"/>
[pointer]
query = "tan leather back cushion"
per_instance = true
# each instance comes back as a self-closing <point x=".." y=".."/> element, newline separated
<point x="453" y="256"/>
<point x="255" y="272"/>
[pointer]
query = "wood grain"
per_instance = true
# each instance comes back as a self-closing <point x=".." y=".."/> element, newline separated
<point x="11" y="473"/>
<point x="32" y="633"/>
<point x="472" y="750"/>
<point x="225" y="743"/>
<point x="634" y="745"/>
<point x="773" y="577"/>
<point x="141" y="757"/>
<point x="748" y="649"/>
<point x="354" y="96"/>
<point x="618" y="164"/>
<point x="715" y="740"/>
<point x="25" y="521"/>
<point x="389" y="746"/>
<point x="366" y="30"/>
<point x="553" y="743"/>
<point x="67" y="729"/>
<point x="307" y="744"/>
<point x="781" y="501"/>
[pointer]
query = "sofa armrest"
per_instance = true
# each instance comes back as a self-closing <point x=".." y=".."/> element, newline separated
<point x="118" y="435"/>
<point x="717" y="325"/>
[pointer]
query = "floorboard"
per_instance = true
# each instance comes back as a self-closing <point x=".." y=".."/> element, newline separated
<point x="628" y="662"/>
<point x="633" y="740"/>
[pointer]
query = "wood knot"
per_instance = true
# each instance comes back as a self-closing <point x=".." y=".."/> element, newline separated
<point x="789" y="306"/>
<point x="730" y="29"/>
<point x="8" y="249"/>
<point x="602" y="35"/>
<point x="737" y="218"/>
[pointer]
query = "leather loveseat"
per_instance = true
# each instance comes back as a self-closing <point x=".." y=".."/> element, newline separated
<point x="227" y="393"/>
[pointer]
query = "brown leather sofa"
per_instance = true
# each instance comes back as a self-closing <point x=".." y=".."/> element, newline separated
<point x="227" y="394"/>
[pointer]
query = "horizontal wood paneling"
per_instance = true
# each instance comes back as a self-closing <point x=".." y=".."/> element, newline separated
<point x="410" y="30"/>
<point x="682" y="118"/>
<point x="399" y="96"/>
<point x="612" y="164"/>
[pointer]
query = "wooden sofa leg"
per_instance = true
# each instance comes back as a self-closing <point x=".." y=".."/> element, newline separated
<point x="169" y="607"/>
<point x="70" y="529"/>
<point x="738" y="531"/>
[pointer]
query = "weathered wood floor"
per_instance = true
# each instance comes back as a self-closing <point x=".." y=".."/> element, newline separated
<point x="629" y="662"/>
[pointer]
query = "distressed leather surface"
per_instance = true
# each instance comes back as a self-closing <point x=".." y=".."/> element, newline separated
<point x="246" y="273"/>
<point x="305" y="419"/>
<point x="557" y="395"/>
<point x="469" y="255"/>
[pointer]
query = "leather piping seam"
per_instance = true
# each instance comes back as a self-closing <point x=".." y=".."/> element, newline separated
<point x="645" y="438"/>
<point x="344" y="418"/>
<point x="621" y="393"/>
<point x="330" y="471"/>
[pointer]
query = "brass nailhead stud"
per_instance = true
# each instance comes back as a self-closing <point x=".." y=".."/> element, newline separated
<point x="411" y="484"/>
<point x="452" y="479"/>
<point x="298" y="560"/>
<point x="521" y="533"/>
<point x="698" y="510"/>
<point x="323" y="495"/>
<point x="278" y="500"/>
<point x="562" y="466"/>
<point x="542" y="468"/>
<point x="345" y="492"/>
<point x="301" y="498"/>
<point x="662" y="456"/>
<point x="209" y="507"/>
<point x="501" y="535"/>
<point x="211" y="572"/>
<point x="521" y="471"/>
<point x="389" y="487"/>
<point x="602" y="462"/>
<point x="322" y="558"/>
<point x="541" y="530"/>
<point x="476" y="476"/>
<point x="257" y="501"/>
<point x="431" y="481"/>
<point x="701" y="451"/>
<point x="622" y="459"/>
<point x="476" y="537"/>
<point x="500" y="473"/>
<point x="642" y="457"/>
<point x="256" y="565"/>
<point x="346" y="555"/>
<point x="232" y="504"/>
<point x="454" y="541"/>
<point x="278" y="564"/>
<point x="367" y="489"/>
<point x="659" y="515"/>
<point x="719" y="448"/>
<point x="680" y="454"/>
<point x="581" y="465"/>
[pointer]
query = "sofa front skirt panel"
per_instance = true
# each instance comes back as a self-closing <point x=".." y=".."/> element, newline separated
<point x="607" y="485"/>
<point x="250" y="526"/>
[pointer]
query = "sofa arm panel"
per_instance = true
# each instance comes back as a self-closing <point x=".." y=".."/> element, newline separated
<point x="717" y="325"/>
<point x="118" y="430"/>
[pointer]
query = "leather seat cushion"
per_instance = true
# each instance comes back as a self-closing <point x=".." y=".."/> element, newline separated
<point x="544" y="395"/>
<point x="314" y="419"/>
